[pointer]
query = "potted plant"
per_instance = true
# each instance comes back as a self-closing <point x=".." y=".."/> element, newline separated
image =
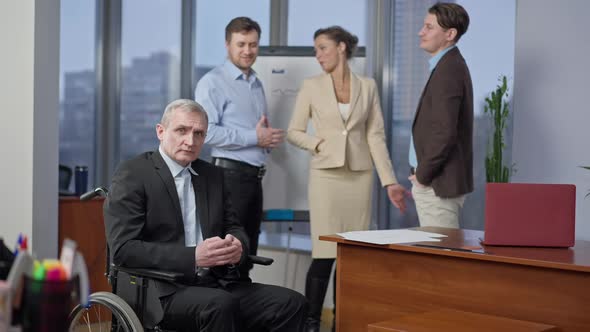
<point x="496" y="105"/>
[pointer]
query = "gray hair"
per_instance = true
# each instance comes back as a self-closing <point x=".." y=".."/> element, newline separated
<point x="184" y="105"/>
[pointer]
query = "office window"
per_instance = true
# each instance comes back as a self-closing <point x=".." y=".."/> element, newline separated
<point x="410" y="74"/>
<point x="306" y="16"/>
<point x="150" y="76"/>
<point x="77" y="86"/>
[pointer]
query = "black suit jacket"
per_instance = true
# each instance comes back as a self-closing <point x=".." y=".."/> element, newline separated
<point x="443" y="128"/>
<point x="143" y="219"/>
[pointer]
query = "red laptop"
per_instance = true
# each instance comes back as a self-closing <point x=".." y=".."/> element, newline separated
<point x="527" y="214"/>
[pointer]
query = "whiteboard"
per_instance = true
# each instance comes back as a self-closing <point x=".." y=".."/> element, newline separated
<point x="282" y="71"/>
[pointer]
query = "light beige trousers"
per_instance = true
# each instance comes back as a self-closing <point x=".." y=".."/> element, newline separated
<point x="434" y="210"/>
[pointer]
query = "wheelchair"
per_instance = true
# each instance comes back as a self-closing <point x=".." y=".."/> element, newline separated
<point x="107" y="311"/>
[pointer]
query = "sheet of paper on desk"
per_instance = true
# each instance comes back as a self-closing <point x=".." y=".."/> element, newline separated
<point x="392" y="236"/>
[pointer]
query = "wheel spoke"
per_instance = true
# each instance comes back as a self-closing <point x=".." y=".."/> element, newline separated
<point x="107" y="312"/>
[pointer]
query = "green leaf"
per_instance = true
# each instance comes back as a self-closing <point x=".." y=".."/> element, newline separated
<point x="496" y="105"/>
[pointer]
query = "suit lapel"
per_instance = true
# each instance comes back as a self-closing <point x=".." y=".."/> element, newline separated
<point x="355" y="92"/>
<point x="200" y="187"/>
<point x="332" y="106"/>
<point x="166" y="176"/>
<point x="422" y="97"/>
<point x="451" y="53"/>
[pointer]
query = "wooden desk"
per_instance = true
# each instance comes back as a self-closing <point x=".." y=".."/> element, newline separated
<point x="83" y="223"/>
<point x="379" y="282"/>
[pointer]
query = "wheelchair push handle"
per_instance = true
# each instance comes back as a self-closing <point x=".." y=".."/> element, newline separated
<point x="98" y="191"/>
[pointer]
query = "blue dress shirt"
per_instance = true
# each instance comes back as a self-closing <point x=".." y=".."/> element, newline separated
<point x="188" y="202"/>
<point x="234" y="104"/>
<point x="432" y="64"/>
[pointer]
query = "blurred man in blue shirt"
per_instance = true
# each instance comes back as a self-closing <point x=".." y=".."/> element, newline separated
<point x="239" y="132"/>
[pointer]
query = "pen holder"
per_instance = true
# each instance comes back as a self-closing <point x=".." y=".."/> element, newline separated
<point x="47" y="304"/>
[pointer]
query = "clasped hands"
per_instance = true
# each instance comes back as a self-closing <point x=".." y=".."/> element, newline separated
<point x="216" y="251"/>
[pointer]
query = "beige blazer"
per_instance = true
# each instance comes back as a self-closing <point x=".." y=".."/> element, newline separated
<point x="358" y="142"/>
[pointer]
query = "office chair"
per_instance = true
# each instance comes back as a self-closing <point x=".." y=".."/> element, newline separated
<point x="133" y="304"/>
<point x="6" y="260"/>
<point x="64" y="180"/>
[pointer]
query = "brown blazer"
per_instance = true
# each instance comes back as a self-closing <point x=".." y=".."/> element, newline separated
<point x="443" y="128"/>
<point x="358" y="142"/>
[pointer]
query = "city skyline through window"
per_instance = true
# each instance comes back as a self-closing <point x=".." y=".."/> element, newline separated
<point x="77" y="86"/>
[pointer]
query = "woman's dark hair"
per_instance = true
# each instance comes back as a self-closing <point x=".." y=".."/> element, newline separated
<point x="451" y="16"/>
<point x="339" y="34"/>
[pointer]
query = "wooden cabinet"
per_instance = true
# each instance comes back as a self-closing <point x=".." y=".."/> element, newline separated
<point x="83" y="223"/>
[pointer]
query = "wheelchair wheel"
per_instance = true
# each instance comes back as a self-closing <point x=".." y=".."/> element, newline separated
<point x="105" y="312"/>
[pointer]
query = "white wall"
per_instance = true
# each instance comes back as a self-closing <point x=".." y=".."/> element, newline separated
<point x="29" y="34"/>
<point x="552" y="117"/>
<point x="488" y="48"/>
<point x="299" y="262"/>
<point x="16" y="105"/>
<point x="488" y="45"/>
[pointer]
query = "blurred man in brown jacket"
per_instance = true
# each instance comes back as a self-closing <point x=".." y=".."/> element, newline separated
<point x="441" y="150"/>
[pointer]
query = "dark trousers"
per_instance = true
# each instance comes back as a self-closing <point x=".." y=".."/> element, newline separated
<point x="235" y="307"/>
<point x="246" y="197"/>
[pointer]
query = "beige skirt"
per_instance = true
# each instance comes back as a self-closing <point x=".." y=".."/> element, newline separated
<point x="339" y="201"/>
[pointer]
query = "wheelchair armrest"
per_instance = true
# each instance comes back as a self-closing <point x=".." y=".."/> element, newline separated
<point x="260" y="260"/>
<point x="176" y="276"/>
<point x="150" y="273"/>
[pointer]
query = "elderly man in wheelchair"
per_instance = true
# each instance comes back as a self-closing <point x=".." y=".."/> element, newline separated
<point x="167" y="210"/>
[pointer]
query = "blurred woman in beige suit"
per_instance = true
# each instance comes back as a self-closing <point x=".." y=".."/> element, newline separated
<point x="349" y="139"/>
